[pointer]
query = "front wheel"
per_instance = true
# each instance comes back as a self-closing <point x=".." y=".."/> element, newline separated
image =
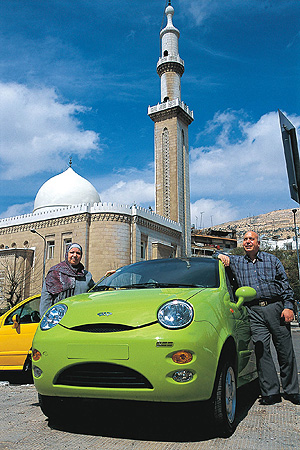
<point x="225" y="399"/>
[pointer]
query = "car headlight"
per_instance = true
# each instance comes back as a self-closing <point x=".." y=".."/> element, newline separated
<point x="175" y="314"/>
<point x="53" y="316"/>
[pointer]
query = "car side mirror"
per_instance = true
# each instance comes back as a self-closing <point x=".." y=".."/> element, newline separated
<point x="245" y="294"/>
<point x="16" y="320"/>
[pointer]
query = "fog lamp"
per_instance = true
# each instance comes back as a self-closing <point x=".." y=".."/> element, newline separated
<point x="182" y="376"/>
<point x="37" y="372"/>
<point x="182" y="357"/>
<point x="36" y="354"/>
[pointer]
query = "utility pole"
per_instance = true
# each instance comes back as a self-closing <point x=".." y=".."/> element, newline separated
<point x="294" y="211"/>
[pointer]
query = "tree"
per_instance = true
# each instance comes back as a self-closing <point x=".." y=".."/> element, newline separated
<point x="15" y="274"/>
<point x="12" y="279"/>
<point x="290" y="264"/>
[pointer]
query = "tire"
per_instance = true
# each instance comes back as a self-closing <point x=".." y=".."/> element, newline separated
<point x="225" y="399"/>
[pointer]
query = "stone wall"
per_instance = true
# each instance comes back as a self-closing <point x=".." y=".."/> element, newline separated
<point x="111" y="236"/>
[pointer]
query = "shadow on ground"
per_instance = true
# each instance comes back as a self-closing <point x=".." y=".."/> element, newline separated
<point x="16" y="377"/>
<point x="147" y="421"/>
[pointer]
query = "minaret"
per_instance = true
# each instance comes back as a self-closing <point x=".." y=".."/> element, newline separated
<point x="172" y="118"/>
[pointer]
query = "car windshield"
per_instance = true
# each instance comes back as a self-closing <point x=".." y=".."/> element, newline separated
<point x="192" y="272"/>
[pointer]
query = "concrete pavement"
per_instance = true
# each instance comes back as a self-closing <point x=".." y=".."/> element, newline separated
<point x="117" y="426"/>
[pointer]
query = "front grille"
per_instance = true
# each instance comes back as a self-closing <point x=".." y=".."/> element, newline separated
<point x="102" y="375"/>
<point x="102" y="328"/>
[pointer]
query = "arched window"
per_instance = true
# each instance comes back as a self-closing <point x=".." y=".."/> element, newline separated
<point x="166" y="172"/>
<point x="184" y="185"/>
<point x="166" y="53"/>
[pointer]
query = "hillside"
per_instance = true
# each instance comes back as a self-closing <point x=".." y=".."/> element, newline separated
<point x="275" y="224"/>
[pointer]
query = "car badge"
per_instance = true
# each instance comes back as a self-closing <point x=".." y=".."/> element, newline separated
<point x="105" y="313"/>
<point x="164" y="344"/>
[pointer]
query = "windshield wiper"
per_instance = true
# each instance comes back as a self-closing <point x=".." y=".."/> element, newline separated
<point x="140" y="285"/>
<point x="180" y="285"/>
<point x="102" y="288"/>
<point x="156" y="284"/>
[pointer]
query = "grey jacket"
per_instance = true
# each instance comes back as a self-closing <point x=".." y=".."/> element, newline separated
<point x="81" y="286"/>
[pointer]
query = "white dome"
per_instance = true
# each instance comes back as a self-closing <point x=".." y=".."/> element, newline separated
<point x="67" y="188"/>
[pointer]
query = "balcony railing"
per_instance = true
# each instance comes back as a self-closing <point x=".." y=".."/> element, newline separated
<point x="170" y="104"/>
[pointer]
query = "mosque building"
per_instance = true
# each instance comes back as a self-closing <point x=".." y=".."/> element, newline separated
<point x="67" y="207"/>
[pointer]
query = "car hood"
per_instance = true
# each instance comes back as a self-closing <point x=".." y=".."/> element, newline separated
<point x="132" y="307"/>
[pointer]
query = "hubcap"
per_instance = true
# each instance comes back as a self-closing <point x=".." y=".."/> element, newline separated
<point x="230" y="394"/>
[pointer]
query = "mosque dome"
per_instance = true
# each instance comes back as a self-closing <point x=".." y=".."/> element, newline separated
<point x="67" y="188"/>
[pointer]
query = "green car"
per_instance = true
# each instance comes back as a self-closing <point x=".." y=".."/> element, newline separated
<point x="167" y="330"/>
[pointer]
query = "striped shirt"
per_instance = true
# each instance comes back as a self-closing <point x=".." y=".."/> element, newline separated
<point x="265" y="274"/>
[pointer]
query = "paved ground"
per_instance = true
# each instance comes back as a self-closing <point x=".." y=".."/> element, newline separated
<point x="117" y="426"/>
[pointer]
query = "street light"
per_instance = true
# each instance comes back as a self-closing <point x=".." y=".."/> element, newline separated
<point x="294" y="211"/>
<point x="201" y="212"/>
<point x="33" y="230"/>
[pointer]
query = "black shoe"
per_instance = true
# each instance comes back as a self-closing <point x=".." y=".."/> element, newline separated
<point x="270" y="399"/>
<point x="294" y="398"/>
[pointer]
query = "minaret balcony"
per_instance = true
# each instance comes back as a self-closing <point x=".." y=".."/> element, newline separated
<point x="170" y="104"/>
<point x="170" y="63"/>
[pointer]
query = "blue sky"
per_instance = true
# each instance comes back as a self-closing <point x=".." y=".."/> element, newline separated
<point x="77" y="77"/>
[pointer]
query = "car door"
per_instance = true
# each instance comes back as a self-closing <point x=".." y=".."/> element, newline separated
<point x="16" y="336"/>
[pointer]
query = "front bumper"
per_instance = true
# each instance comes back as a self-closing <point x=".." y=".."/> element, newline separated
<point x="146" y="351"/>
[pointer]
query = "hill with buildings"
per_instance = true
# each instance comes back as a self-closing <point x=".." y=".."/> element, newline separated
<point x="272" y="225"/>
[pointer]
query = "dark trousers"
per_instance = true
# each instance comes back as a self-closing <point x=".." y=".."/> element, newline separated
<point x="265" y="323"/>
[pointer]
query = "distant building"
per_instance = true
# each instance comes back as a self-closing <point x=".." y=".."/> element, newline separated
<point x="277" y="244"/>
<point x="207" y="241"/>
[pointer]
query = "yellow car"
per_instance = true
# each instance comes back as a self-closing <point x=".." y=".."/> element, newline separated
<point x="17" y="328"/>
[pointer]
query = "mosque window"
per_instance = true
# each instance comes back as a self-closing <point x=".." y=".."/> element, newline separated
<point x="50" y="249"/>
<point x="13" y="245"/>
<point x="144" y="241"/>
<point x="1" y="246"/>
<point x="166" y="99"/>
<point x="166" y="53"/>
<point x="184" y="183"/>
<point x="174" y="250"/>
<point x="66" y="242"/>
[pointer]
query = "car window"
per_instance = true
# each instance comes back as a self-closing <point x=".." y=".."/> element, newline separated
<point x="231" y="284"/>
<point x="28" y="313"/>
<point x="190" y="272"/>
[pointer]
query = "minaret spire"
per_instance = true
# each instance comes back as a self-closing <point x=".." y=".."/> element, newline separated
<point x="170" y="66"/>
<point x="172" y="118"/>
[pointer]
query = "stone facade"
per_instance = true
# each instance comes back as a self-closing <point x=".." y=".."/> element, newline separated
<point x="172" y="169"/>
